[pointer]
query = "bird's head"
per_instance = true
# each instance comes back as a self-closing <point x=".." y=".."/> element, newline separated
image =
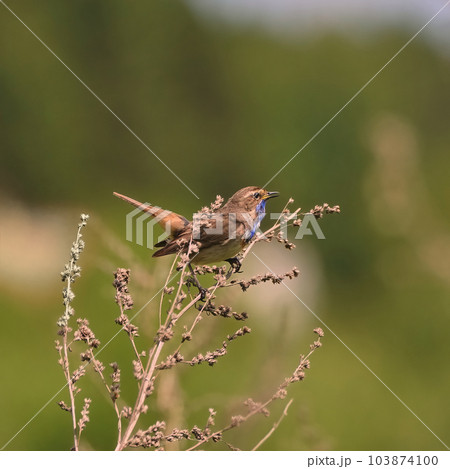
<point x="249" y="198"/>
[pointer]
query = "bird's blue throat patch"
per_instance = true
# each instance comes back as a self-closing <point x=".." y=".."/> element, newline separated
<point x="260" y="213"/>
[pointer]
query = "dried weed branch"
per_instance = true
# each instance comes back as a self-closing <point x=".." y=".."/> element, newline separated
<point x="262" y="408"/>
<point x="171" y="338"/>
<point x="70" y="273"/>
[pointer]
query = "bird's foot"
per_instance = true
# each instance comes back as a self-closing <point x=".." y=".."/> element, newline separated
<point x="235" y="266"/>
<point x="203" y="293"/>
<point x="202" y="290"/>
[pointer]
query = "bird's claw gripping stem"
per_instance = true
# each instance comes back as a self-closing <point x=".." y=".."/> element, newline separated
<point x="235" y="266"/>
<point x="202" y="290"/>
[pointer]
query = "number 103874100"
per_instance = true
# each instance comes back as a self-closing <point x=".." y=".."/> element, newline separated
<point x="416" y="460"/>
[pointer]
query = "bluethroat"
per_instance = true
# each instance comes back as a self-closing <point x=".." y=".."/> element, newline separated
<point x="226" y="232"/>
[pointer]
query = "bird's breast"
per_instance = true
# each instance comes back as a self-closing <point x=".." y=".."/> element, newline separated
<point x="219" y="252"/>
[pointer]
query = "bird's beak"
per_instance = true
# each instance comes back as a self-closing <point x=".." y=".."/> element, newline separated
<point x="270" y="195"/>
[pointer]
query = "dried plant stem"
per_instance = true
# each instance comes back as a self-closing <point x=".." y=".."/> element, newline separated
<point x="69" y="275"/>
<point x="153" y="357"/>
<point x="131" y="337"/>
<point x="99" y="370"/>
<point x="70" y="386"/>
<point x="274" y="427"/>
<point x="169" y="276"/>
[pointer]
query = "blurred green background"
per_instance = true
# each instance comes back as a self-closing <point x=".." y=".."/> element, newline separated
<point x="226" y="99"/>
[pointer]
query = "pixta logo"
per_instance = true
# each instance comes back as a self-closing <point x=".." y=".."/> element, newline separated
<point x="140" y="225"/>
<point x="136" y="226"/>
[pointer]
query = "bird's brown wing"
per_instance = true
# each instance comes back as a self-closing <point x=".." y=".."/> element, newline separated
<point x="172" y="247"/>
<point x="205" y="241"/>
<point x="169" y="221"/>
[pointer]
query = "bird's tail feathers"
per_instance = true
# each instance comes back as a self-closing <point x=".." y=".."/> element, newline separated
<point x="169" y="221"/>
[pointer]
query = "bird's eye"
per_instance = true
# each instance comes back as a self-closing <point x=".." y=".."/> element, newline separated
<point x="256" y="195"/>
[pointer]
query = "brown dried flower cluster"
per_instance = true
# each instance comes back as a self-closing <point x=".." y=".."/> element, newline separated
<point x="224" y="311"/>
<point x="85" y="334"/>
<point x="268" y="277"/>
<point x="124" y="300"/>
<point x="319" y="210"/>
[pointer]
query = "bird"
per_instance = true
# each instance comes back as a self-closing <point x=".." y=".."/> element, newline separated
<point x="228" y="230"/>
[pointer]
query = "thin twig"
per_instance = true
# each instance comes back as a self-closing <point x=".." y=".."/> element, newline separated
<point x="274" y="427"/>
<point x="71" y="393"/>
<point x="99" y="370"/>
<point x="163" y="293"/>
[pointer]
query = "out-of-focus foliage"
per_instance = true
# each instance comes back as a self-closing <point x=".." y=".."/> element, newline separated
<point x="226" y="108"/>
